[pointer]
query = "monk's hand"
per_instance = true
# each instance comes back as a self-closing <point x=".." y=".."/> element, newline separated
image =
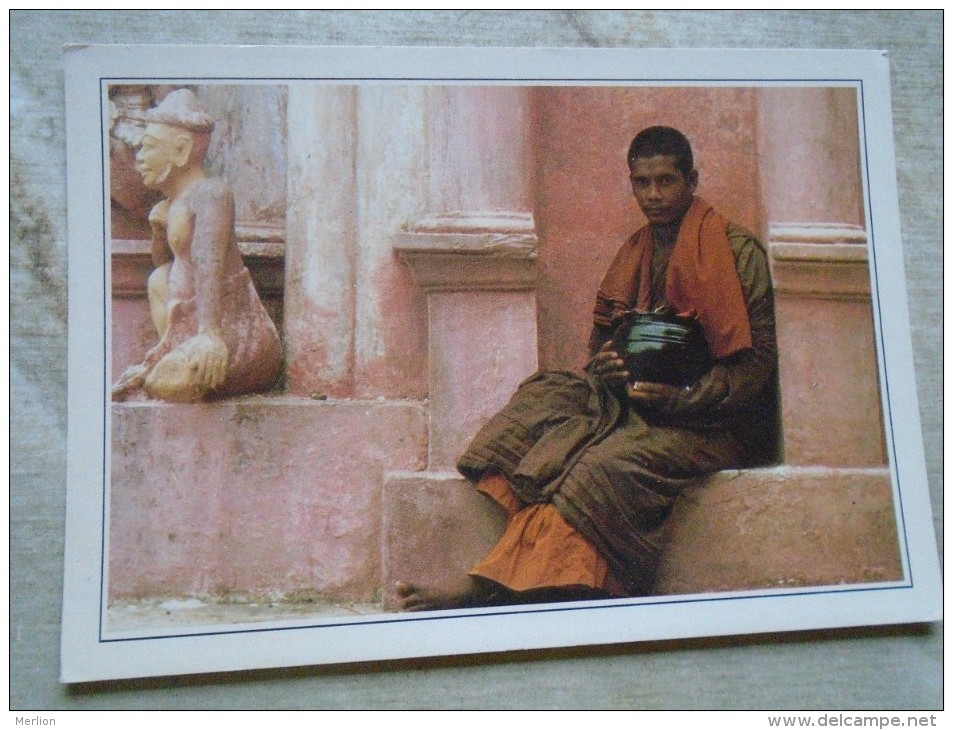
<point x="208" y="359"/>
<point x="659" y="396"/>
<point x="608" y="365"/>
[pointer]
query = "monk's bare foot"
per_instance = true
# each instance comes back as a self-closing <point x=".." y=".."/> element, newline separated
<point x="413" y="597"/>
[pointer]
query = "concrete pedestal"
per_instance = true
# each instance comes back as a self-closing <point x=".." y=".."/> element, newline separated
<point x="259" y="496"/>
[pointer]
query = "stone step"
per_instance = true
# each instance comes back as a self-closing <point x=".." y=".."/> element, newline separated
<point x="778" y="527"/>
<point x="782" y="527"/>
<point x="436" y="526"/>
<point x="254" y="495"/>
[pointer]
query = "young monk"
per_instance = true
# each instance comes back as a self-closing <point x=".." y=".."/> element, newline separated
<point x="588" y="467"/>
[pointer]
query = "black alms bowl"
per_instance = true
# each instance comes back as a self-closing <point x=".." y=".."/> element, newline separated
<point x="659" y="347"/>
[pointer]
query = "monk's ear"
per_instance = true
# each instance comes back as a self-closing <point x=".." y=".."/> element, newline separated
<point x="182" y="149"/>
<point x="692" y="180"/>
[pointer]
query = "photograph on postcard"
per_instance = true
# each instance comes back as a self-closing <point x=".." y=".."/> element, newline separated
<point x="379" y="351"/>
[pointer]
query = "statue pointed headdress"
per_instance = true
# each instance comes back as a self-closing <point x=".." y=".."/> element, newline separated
<point x="181" y="108"/>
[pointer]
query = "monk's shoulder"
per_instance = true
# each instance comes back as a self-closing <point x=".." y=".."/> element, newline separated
<point x="739" y="235"/>
<point x="743" y="242"/>
<point x="751" y="260"/>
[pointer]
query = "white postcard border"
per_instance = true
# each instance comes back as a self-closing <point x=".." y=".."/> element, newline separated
<point x="90" y="654"/>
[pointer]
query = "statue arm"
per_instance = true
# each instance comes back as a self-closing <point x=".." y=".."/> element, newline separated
<point x="161" y="251"/>
<point x="213" y="230"/>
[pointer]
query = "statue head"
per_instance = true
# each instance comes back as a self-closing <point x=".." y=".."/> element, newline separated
<point x="175" y="139"/>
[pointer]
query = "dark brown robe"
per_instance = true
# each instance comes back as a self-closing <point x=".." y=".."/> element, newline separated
<point x="613" y="472"/>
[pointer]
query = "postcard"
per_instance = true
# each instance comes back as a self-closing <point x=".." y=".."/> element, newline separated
<point x="379" y="353"/>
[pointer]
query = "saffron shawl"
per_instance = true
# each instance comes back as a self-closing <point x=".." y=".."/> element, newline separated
<point x="702" y="279"/>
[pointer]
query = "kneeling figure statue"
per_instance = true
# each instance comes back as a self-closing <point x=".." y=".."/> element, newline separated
<point x="216" y="339"/>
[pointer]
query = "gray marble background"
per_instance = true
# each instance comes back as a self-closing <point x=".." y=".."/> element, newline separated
<point x="890" y="668"/>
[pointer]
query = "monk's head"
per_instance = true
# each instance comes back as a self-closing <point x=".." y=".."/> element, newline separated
<point x="663" y="175"/>
<point x="176" y="138"/>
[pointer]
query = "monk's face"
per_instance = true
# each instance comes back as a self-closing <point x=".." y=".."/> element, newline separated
<point x="662" y="191"/>
<point x="160" y="154"/>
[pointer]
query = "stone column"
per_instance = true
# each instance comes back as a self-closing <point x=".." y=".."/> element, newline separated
<point x="321" y="239"/>
<point x="481" y="307"/>
<point x="813" y="194"/>
<point x="390" y="327"/>
<point x="474" y="253"/>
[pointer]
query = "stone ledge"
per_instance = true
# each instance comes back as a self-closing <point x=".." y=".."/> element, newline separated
<point x="276" y="400"/>
<point x="829" y="234"/>
<point x="463" y="272"/>
<point x="820" y="269"/>
<point x="254" y="495"/>
<point x="262" y="248"/>
<point x="782" y="527"/>
<point x="470" y="251"/>
<point x="474" y="221"/>
<point x="742" y="530"/>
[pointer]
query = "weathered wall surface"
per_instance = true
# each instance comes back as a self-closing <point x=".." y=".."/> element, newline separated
<point x="278" y="496"/>
<point x="878" y="668"/>
<point x="431" y="172"/>
<point x="249" y="147"/>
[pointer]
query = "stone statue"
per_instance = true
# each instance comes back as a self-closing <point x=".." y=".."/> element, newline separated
<point x="216" y="338"/>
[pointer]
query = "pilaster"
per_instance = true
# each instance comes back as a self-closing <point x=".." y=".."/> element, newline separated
<point x="831" y="409"/>
<point x="479" y="275"/>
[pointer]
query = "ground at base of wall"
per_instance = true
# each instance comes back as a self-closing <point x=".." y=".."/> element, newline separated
<point x="159" y="613"/>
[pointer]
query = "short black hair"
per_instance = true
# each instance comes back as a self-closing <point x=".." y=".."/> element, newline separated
<point x="657" y="140"/>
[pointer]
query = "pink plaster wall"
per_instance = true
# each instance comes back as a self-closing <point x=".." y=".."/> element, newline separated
<point x="477" y="156"/>
<point x="812" y="172"/>
<point x="321" y="249"/>
<point x="391" y="331"/>
<point x="482" y="347"/>
<point x="829" y="384"/>
<point x="391" y="171"/>
<point x="284" y="494"/>
<point x="255" y="495"/>
<point x="584" y="204"/>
